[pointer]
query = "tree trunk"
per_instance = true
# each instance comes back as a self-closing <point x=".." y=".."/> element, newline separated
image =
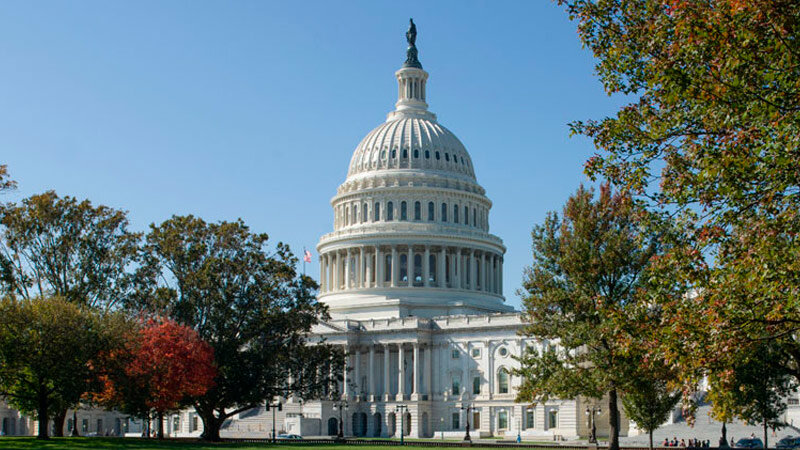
<point x="211" y="424"/>
<point x="613" y="421"/>
<point x="724" y="433"/>
<point x="44" y="420"/>
<point x="651" y="439"/>
<point x="58" y="423"/>
<point x="160" y="416"/>
<point x="147" y="426"/>
<point x="765" y="435"/>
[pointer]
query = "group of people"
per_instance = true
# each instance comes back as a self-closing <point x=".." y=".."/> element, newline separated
<point x="693" y="443"/>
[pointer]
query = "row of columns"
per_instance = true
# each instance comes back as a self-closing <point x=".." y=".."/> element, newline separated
<point x="421" y="378"/>
<point x="367" y="267"/>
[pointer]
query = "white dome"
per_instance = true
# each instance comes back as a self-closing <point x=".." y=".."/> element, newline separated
<point x="412" y="143"/>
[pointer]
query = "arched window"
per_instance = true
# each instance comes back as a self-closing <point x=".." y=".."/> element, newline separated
<point x="431" y="217"/>
<point x="377" y="212"/>
<point x="417" y="269"/>
<point x="347" y="216"/>
<point x="405" y="153"/>
<point x="403" y="211"/>
<point x="354" y="220"/>
<point x="390" y="211"/>
<point x="403" y="267"/>
<point x="417" y="211"/>
<point x="394" y="154"/>
<point x="416" y="153"/>
<point x="444" y="212"/>
<point x="466" y="215"/>
<point x="364" y="214"/>
<point x="502" y="381"/>
<point x="447" y="157"/>
<point x="474" y="217"/>
<point x="427" y="154"/>
<point x="431" y="269"/>
<point x="437" y="156"/>
<point x="387" y="268"/>
<point x="455" y="213"/>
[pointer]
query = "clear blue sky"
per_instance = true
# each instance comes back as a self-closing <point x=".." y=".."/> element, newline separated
<point x="252" y="109"/>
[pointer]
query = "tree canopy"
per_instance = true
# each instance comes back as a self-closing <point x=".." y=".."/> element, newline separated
<point x="249" y="305"/>
<point x="5" y="182"/>
<point x="577" y="298"/>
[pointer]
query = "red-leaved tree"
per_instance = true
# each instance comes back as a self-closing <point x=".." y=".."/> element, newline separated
<point x="164" y="366"/>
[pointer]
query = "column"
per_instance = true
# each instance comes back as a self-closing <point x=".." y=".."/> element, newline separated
<point x="426" y="269"/>
<point x="387" y="381"/>
<point x="400" y="390"/>
<point x="415" y="374"/>
<point x="428" y="372"/>
<point x="357" y="374"/>
<point x="491" y="273"/>
<point x="336" y="279"/>
<point x="473" y="267"/>
<point x="379" y="266"/>
<point x="440" y="278"/>
<point x="345" y="388"/>
<point x="395" y="267"/>
<point x="347" y="270"/>
<point x="360" y="278"/>
<point x="484" y="276"/>
<point x="369" y="270"/>
<point x="371" y="373"/>
<point x="410" y="266"/>
<point x="500" y="278"/>
<point x="455" y="277"/>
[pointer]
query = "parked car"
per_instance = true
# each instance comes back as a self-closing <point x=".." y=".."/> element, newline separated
<point x="789" y="442"/>
<point x="290" y="437"/>
<point x="749" y="443"/>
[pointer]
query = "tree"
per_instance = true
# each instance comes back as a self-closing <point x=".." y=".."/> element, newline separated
<point x="709" y="139"/>
<point x="5" y="183"/>
<point x="54" y="246"/>
<point x="649" y="401"/>
<point x="46" y="349"/>
<point x="754" y="390"/>
<point x="250" y="306"/>
<point x="577" y="296"/>
<point x="164" y="366"/>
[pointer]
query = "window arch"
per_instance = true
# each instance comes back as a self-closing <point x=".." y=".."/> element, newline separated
<point x="502" y="381"/>
<point x="403" y="211"/>
<point x="444" y="212"/>
<point x="431" y="208"/>
<point x="377" y="212"/>
<point x="417" y="211"/>
<point x="390" y="211"/>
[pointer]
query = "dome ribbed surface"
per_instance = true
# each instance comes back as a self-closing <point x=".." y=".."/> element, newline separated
<point x="411" y="143"/>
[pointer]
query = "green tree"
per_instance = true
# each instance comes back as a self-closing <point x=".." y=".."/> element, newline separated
<point x="710" y="137"/>
<point x="47" y="346"/>
<point x="250" y="306"/>
<point x="58" y="246"/>
<point x="577" y="296"/>
<point x="755" y="390"/>
<point x="649" y="401"/>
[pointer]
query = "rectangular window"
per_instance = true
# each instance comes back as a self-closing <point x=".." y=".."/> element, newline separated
<point x="502" y="420"/>
<point x="195" y="422"/>
<point x="456" y="421"/>
<point x="476" y="420"/>
<point x="99" y="426"/>
<point x="476" y="353"/>
<point x="85" y="425"/>
<point x="552" y="418"/>
<point x="456" y="353"/>
<point x="529" y="418"/>
<point x="455" y="213"/>
<point x="176" y="424"/>
<point x="417" y="211"/>
<point x="431" y="217"/>
<point x="476" y="385"/>
<point x="444" y="212"/>
<point x="69" y="425"/>
<point x="456" y="385"/>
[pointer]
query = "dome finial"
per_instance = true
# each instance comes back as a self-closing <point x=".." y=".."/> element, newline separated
<point x="411" y="53"/>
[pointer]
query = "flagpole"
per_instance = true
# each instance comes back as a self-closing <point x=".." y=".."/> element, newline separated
<point x="304" y="260"/>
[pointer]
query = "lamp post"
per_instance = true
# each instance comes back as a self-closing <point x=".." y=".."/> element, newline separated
<point x="279" y="406"/>
<point x="340" y="405"/>
<point x="590" y="413"/>
<point x="467" y="408"/>
<point x="441" y="426"/>
<point x="401" y="409"/>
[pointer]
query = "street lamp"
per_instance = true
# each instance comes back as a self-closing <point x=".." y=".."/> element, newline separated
<point x="400" y="409"/>
<point x="274" y="406"/>
<point x="467" y="408"/>
<point x="441" y="426"/>
<point x="590" y="413"/>
<point x="340" y="405"/>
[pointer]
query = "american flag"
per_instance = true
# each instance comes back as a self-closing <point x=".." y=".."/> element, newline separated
<point x="307" y="256"/>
